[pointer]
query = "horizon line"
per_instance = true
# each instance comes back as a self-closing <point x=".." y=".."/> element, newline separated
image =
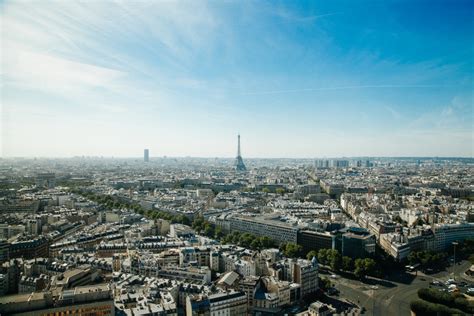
<point x="228" y="157"/>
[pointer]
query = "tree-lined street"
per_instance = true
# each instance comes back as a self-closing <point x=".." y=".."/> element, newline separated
<point x="392" y="295"/>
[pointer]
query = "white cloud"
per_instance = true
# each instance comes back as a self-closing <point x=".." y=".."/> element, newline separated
<point x="50" y="72"/>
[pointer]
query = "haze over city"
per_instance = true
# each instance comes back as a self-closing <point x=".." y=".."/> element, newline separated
<point x="296" y="79"/>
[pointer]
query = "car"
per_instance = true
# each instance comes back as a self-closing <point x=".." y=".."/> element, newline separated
<point x="450" y="281"/>
<point x="462" y="283"/>
<point x="374" y="287"/>
<point x="333" y="291"/>
<point x="470" y="291"/>
<point x="333" y="276"/>
<point x="452" y="288"/>
<point x="429" y="271"/>
<point x="435" y="282"/>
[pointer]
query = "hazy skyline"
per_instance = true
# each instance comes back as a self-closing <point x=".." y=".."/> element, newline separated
<point x="306" y="79"/>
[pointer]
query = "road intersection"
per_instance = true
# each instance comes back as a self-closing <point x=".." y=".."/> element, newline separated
<point x="392" y="295"/>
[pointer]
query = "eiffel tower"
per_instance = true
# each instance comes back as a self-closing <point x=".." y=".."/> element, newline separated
<point x="239" y="163"/>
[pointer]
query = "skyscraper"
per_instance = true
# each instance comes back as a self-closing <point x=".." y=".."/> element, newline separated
<point x="146" y="156"/>
<point x="239" y="163"/>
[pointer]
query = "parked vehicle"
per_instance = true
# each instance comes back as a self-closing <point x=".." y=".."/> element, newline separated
<point x="411" y="268"/>
<point x="333" y="291"/>
<point x="450" y="281"/>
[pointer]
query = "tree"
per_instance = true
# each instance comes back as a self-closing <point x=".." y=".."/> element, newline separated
<point x="324" y="283"/>
<point x="245" y="240"/>
<point x="219" y="233"/>
<point x="183" y="219"/>
<point x="266" y="190"/>
<point x="370" y="266"/>
<point x="450" y="300"/>
<point x="209" y="230"/>
<point x="267" y="242"/>
<point x="227" y="239"/>
<point x="198" y="223"/>
<point x="335" y="260"/>
<point x="292" y="250"/>
<point x="359" y="270"/>
<point x="471" y="258"/>
<point x="256" y="244"/>
<point x="364" y="267"/>
<point x="428" y="259"/>
<point x="421" y="307"/>
<point x="347" y="263"/>
<point x="235" y="237"/>
<point x="322" y="256"/>
<point x="413" y="258"/>
<point x="311" y="254"/>
<point x="280" y="191"/>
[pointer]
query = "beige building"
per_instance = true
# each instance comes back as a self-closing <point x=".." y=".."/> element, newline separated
<point x="84" y="300"/>
<point x="222" y="304"/>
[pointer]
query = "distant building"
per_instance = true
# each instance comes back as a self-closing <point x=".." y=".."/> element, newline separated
<point x="3" y="284"/>
<point x="33" y="227"/>
<point x="12" y="270"/>
<point x="239" y="162"/>
<point x="332" y="163"/>
<point x="46" y="180"/>
<point x="85" y="300"/>
<point x="337" y="163"/>
<point x="305" y="273"/>
<point x="4" y="251"/>
<point x="190" y="274"/>
<point x="396" y="245"/>
<point x="312" y="240"/>
<point x="356" y="242"/>
<point x="318" y="309"/>
<point x="259" y="226"/>
<point x="321" y="164"/>
<point x="30" y="249"/>
<point x="180" y="230"/>
<point x="446" y="234"/>
<point x="333" y="189"/>
<point x="225" y="304"/>
<point x="146" y="155"/>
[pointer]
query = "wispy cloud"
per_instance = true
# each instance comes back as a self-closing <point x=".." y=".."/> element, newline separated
<point x="395" y="114"/>
<point x="356" y="87"/>
<point x="291" y="16"/>
<point x="455" y="116"/>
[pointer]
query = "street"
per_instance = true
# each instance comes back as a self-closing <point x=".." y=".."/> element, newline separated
<point x="392" y="296"/>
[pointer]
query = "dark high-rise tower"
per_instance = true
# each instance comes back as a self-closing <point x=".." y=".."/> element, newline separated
<point x="146" y="155"/>
<point x="239" y="163"/>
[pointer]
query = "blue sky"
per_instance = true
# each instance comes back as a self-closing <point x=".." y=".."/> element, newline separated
<point x="296" y="79"/>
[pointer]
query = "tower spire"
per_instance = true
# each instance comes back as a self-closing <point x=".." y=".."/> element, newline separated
<point x="239" y="162"/>
<point x="238" y="145"/>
